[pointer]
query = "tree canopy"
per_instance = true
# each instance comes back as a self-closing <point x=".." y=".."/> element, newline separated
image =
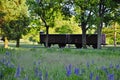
<point x="90" y="13"/>
<point x="15" y="19"/>
<point x="15" y="16"/>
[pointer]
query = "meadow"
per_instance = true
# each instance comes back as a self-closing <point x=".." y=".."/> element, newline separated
<point x="39" y="63"/>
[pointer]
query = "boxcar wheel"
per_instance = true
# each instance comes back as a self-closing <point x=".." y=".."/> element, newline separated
<point x="78" y="45"/>
<point x="61" y="45"/>
<point x="94" y="46"/>
<point x="49" y="45"/>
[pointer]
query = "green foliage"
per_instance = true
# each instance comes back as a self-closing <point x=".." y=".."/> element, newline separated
<point x="64" y="29"/>
<point x="13" y="8"/>
<point x="6" y="71"/>
<point x="15" y="28"/>
<point x="111" y="12"/>
<point x="66" y="26"/>
<point x="32" y="35"/>
<point x="109" y="31"/>
<point x="1" y="14"/>
<point x="15" y="19"/>
<point x="46" y="9"/>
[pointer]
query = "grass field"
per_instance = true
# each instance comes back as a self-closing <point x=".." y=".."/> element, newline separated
<point x="33" y="62"/>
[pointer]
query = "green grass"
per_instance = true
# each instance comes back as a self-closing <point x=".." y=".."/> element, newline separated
<point x="54" y="61"/>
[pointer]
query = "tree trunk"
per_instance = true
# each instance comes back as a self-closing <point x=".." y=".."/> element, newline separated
<point x="18" y="42"/>
<point x="5" y="42"/>
<point x="47" y="34"/>
<point x="100" y="24"/>
<point x="99" y="28"/>
<point x="83" y="26"/>
<point x="47" y="30"/>
<point x="114" y="25"/>
<point x="84" y="37"/>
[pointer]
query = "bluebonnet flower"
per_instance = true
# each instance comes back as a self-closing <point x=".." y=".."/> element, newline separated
<point x="111" y="77"/>
<point x="117" y="66"/>
<point x="3" y="61"/>
<point x="40" y="75"/>
<point x="46" y="75"/>
<point x="37" y="63"/>
<point x="18" y="72"/>
<point x="36" y="71"/>
<point x="7" y="53"/>
<point x="68" y="70"/>
<point x="97" y="78"/>
<point x="105" y="69"/>
<point x="111" y="66"/>
<point x="8" y="63"/>
<point x="76" y="71"/>
<point x="91" y="76"/>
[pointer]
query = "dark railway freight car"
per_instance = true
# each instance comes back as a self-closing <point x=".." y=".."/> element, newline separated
<point x="63" y="39"/>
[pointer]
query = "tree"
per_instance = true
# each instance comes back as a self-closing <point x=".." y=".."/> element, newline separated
<point x="47" y="11"/>
<point x="16" y="13"/>
<point x="83" y="11"/>
<point x="14" y="29"/>
<point x="104" y="14"/>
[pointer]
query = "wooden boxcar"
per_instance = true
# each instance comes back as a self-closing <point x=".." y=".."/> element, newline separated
<point x="76" y="39"/>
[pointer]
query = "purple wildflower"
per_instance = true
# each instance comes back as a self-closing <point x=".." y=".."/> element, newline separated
<point x="91" y="76"/>
<point x="97" y="78"/>
<point x="18" y="72"/>
<point x="117" y="66"/>
<point x="39" y="62"/>
<point x="105" y="69"/>
<point x="3" y="61"/>
<point x="7" y="53"/>
<point x="76" y="71"/>
<point x="111" y="77"/>
<point x="40" y="75"/>
<point x="69" y="70"/>
<point x="8" y="63"/>
<point x="111" y="66"/>
<point x="46" y="75"/>
<point x="36" y="71"/>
